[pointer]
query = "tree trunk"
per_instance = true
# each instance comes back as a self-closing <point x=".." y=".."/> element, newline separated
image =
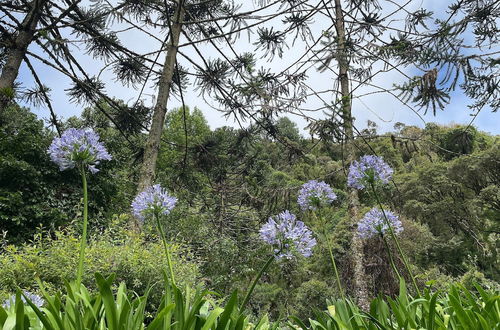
<point x="17" y="50"/>
<point x="152" y="147"/>
<point x="359" y="276"/>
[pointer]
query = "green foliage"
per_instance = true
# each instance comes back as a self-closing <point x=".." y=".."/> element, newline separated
<point x="184" y="130"/>
<point x="34" y="193"/>
<point x="315" y="293"/>
<point x="266" y="300"/>
<point x="228" y="183"/>
<point x="7" y="92"/>
<point x="457" y="308"/>
<point x="287" y="128"/>
<point x="457" y="201"/>
<point x="53" y="259"/>
<point x="117" y="309"/>
<point x="473" y="277"/>
<point x="458" y="140"/>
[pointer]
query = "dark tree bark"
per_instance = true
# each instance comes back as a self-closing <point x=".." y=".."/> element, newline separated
<point x="17" y="50"/>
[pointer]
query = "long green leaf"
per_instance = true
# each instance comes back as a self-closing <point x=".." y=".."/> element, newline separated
<point x="19" y="311"/>
<point x="46" y="323"/>
<point x="158" y="320"/>
<point x="432" y="311"/>
<point x="110" y="308"/>
<point x="3" y="316"/>
<point x="228" y="310"/>
<point x="212" y="318"/>
<point x="298" y="322"/>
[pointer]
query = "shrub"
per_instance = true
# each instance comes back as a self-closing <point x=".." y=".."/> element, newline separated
<point x="31" y="191"/>
<point x="310" y="296"/>
<point x="136" y="260"/>
<point x="268" y="299"/>
<point x="473" y="277"/>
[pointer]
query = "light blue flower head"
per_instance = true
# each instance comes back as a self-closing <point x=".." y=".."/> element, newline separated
<point x="78" y="147"/>
<point x="314" y="195"/>
<point x="288" y="236"/>
<point x="153" y="201"/>
<point x="374" y="224"/>
<point x="368" y="170"/>
<point x="34" y="298"/>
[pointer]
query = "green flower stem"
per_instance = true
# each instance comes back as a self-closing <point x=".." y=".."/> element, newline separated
<point x="391" y="231"/>
<point x="330" y="250"/>
<point x="393" y="265"/>
<point x="167" y="249"/>
<point x="83" y="242"/>
<point x="256" y="280"/>
<point x="335" y="269"/>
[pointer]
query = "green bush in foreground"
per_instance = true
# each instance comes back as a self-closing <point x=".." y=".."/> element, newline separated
<point x="136" y="259"/>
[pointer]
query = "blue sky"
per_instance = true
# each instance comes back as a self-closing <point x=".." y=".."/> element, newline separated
<point x="382" y="109"/>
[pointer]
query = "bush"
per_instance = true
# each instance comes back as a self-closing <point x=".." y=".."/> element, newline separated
<point x="473" y="277"/>
<point x="136" y="260"/>
<point x="267" y="298"/>
<point x="310" y="296"/>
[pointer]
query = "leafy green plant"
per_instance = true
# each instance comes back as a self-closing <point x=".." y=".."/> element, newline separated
<point x="118" y="309"/>
<point x="458" y="308"/>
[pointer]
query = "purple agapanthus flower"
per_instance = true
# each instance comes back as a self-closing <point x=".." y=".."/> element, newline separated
<point x="34" y="298"/>
<point x="373" y="223"/>
<point x="78" y="147"/>
<point x="314" y="195"/>
<point x="153" y="200"/>
<point x="288" y="236"/>
<point x="369" y="169"/>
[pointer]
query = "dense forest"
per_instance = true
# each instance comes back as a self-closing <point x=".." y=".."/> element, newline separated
<point x="332" y="189"/>
<point x="228" y="182"/>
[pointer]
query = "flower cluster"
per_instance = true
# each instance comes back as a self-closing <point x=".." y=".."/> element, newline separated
<point x="153" y="200"/>
<point x="314" y="195"/>
<point x="368" y="170"/>
<point x="288" y="236"/>
<point x="374" y="223"/>
<point x="78" y="147"/>
<point x="35" y="299"/>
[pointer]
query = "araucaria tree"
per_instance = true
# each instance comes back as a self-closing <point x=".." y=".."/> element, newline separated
<point x="40" y="31"/>
<point x="230" y="78"/>
<point x="16" y="36"/>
